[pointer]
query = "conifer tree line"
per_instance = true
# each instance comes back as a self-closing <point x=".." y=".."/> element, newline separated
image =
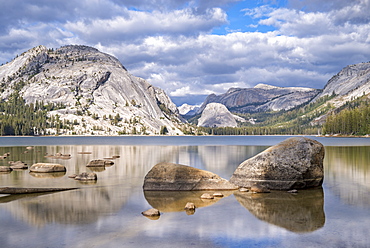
<point x="19" y="118"/>
<point x="351" y="119"/>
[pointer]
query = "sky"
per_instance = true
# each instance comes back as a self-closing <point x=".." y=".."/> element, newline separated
<point x="195" y="48"/>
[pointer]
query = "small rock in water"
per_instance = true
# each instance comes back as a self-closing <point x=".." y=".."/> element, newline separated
<point x="189" y="206"/>
<point x="5" y="169"/>
<point x="207" y="196"/>
<point x="293" y="191"/>
<point x="99" y="163"/>
<point x="72" y="176"/>
<point x="84" y="176"/>
<point x="218" y="194"/>
<point x="152" y="213"/>
<point x="18" y="165"/>
<point x="244" y="190"/>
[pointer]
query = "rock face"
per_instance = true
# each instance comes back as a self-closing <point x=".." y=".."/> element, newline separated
<point x="169" y="176"/>
<point x="91" y="88"/>
<point x="217" y="115"/>
<point x="262" y="97"/>
<point x="47" y="168"/>
<point x="294" y="163"/>
<point x="351" y="82"/>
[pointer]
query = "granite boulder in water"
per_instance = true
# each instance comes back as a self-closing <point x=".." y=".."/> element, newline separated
<point x="169" y="176"/>
<point x="295" y="163"/>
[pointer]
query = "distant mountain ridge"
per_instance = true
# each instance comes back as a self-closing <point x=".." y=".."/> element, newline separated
<point x="351" y="83"/>
<point x="93" y="86"/>
<point x="262" y="97"/>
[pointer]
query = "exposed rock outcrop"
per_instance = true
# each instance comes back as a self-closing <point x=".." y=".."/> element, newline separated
<point x="169" y="176"/>
<point x="217" y="115"/>
<point x="294" y="163"/>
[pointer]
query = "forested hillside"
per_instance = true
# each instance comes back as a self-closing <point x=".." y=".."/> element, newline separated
<point x="19" y="118"/>
<point x="351" y="119"/>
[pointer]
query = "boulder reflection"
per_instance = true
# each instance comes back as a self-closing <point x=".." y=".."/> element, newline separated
<point x="302" y="212"/>
<point x="175" y="201"/>
<point x="73" y="207"/>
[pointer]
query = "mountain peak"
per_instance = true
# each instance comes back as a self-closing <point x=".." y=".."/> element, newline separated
<point x="216" y="115"/>
<point x="266" y="87"/>
<point x="92" y="86"/>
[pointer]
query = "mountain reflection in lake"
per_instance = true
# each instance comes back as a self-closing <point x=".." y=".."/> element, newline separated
<point x="108" y="213"/>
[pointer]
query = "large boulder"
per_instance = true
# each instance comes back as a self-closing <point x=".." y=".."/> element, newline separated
<point x="169" y="176"/>
<point x="47" y="168"/>
<point x="295" y="163"/>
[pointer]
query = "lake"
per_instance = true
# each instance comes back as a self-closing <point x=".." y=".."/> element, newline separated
<point x="107" y="213"/>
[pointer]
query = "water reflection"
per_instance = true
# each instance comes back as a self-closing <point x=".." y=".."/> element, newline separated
<point x="347" y="174"/>
<point x="346" y="170"/>
<point x="175" y="201"/>
<point x="302" y="212"/>
<point x="75" y="207"/>
<point x="47" y="175"/>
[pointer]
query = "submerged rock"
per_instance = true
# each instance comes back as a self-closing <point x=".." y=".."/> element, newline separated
<point x="207" y="196"/>
<point x="295" y="163"/>
<point x="169" y="176"/>
<point x="218" y="194"/>
<point x="5" y="169"/>
<point x="85" y="176"/>
<point x="18" y="165"/>
<point x="47" y="168"/>
<point x="99" y="163"/>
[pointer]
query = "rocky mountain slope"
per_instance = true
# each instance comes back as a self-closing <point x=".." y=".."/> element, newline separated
<point x="351" y="82"/>
<point x="97" y="93"/>
<point x="262" y="97"/>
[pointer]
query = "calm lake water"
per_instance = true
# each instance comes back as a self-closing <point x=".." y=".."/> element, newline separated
<point x="108" y="213"/>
